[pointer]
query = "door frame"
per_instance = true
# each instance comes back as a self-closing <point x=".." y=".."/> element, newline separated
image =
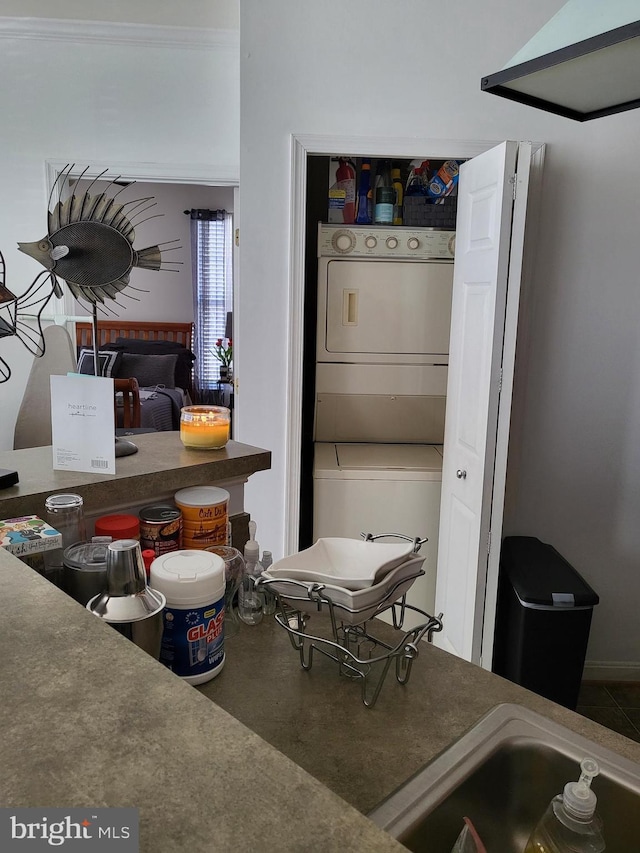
<point x="303" y="145"/>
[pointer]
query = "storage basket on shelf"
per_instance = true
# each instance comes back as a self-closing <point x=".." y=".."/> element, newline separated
<point x="420" y="210"/>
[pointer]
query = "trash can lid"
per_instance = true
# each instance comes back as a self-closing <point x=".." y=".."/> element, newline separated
<point x="541" y="576"/>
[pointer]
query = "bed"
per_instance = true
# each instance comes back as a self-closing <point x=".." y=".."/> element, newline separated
<point x="158" y="355"/>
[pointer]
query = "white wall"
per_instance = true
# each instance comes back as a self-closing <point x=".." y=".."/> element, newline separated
<point x="412" y="68"/>
<point x="164" y="103"/>
<point x="219" y="14"/>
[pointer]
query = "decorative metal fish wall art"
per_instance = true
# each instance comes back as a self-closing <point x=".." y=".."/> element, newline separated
<point x="88" y="244"/>
<point x="89" y="240"/>
<point x="14" y="309"/>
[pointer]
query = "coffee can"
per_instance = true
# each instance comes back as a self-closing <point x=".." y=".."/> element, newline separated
<point x="160" y="528"/>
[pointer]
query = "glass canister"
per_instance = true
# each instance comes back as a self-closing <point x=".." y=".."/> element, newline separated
<point x="233" y="573"/>
<point x="66" y="514"/>
<point x="204" y="427"/>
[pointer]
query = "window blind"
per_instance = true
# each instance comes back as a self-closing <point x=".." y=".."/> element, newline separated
<point x="211" y="242"/>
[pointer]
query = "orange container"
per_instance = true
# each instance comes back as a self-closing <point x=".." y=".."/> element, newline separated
<point x="200" y="504"/>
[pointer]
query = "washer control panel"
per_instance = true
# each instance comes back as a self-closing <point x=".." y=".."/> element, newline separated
<point x="385" y="242"/>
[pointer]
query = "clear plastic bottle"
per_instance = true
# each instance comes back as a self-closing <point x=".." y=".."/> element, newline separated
<point x="570" y="823"/>
<point x="251" y="599"/>
<point x="270" y="602"/>
<point x="66" y="514"/>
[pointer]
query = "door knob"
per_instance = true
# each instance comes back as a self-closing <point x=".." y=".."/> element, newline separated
<point x="461" y="475"/>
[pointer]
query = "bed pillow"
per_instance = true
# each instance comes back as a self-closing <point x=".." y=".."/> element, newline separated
<point x="108" y="362"/>
<point x="149" y="370"/>
<point x="184" y="364"/>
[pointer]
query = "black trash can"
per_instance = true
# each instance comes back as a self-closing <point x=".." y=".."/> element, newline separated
<point x="542" y="621"/>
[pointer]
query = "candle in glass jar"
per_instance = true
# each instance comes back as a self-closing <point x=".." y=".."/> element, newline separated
<point x="204" y="427"/>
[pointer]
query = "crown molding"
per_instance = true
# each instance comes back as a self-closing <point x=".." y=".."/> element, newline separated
<point x="107" y="32"/>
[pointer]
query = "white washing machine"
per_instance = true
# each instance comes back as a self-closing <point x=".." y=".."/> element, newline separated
<point x="382" y="488"/>
<point x="384" y="308"/>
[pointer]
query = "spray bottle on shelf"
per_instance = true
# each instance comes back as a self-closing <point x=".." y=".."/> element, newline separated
<point x="346" y="180"/>
<point x="570" y="823"/>
<point x="250" y="599"/>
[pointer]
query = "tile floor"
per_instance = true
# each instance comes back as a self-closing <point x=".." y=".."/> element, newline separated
<point x="615" y="705"/>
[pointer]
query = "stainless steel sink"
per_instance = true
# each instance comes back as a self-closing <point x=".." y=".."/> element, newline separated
<point x="502" y="774"/>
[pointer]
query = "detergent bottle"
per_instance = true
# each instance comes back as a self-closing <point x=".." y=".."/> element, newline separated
<point x="570" y="823"/>
<point x="363" y="216"/>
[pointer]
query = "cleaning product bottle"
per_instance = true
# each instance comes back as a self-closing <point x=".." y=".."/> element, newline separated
<point x="346" y="180"/>
<point x="570" y="823"/>
<point x="363" y="216"/>
<point x="250" y="599"/>
<point x="385" y="195"/>
<point x="396" y="180"/>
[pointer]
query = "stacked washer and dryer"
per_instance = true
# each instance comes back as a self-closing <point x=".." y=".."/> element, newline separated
<point x="384" y="316"/>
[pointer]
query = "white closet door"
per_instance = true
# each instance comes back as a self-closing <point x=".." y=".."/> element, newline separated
<point x="484" y="243"/>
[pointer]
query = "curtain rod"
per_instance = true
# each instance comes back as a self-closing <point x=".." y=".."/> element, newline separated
<point x="200" y="213"/>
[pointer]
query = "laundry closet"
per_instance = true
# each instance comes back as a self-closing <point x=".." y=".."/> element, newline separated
<point x="498" y="193"/>
<point x="378" y="316"/>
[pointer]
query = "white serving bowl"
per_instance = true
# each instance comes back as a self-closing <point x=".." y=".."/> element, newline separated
<point x="352" y="606"/>
<point x="346" y="563"/>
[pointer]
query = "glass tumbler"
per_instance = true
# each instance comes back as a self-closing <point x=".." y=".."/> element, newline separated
<point x="66" y="514"/>
<point x="233" y="572"/>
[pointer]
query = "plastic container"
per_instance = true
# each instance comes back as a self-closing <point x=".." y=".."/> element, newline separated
<point x="193" y="583"/>
<point x="570" y="823"/>
<point x="119" y="526"/>
<point x="205" y="516"/>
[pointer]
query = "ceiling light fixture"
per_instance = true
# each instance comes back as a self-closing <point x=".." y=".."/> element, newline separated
<point x="583" y="64"/>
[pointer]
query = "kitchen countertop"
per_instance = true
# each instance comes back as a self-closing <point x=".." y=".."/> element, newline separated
<point x="285" y="757"/>
<point x="89" y="719"/>
<point x="161" y="466"/>
<point x="264" y="757"/>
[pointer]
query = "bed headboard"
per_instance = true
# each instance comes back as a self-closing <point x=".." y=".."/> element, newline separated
<point x="109" y="330"/>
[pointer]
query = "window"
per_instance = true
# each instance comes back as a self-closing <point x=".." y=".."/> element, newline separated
<point x="211" y="245"/>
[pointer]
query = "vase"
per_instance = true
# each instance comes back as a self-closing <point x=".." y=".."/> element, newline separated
<point x="225" y="373"/>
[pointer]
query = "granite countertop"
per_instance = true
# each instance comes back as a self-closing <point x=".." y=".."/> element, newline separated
<point x="265" y="756"/>
<point x="264" y="751"/>
<point x="161" y="466"/>
<point x="88" y="719"/>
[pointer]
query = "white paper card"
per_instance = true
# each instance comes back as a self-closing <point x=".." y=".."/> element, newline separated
<point x="83" y="424"/>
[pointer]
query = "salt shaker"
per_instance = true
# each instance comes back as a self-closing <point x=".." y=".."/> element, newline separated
<point x="66" y="514"/>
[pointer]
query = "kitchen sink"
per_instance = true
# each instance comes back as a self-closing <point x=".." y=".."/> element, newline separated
<point x="502" y="774"/>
